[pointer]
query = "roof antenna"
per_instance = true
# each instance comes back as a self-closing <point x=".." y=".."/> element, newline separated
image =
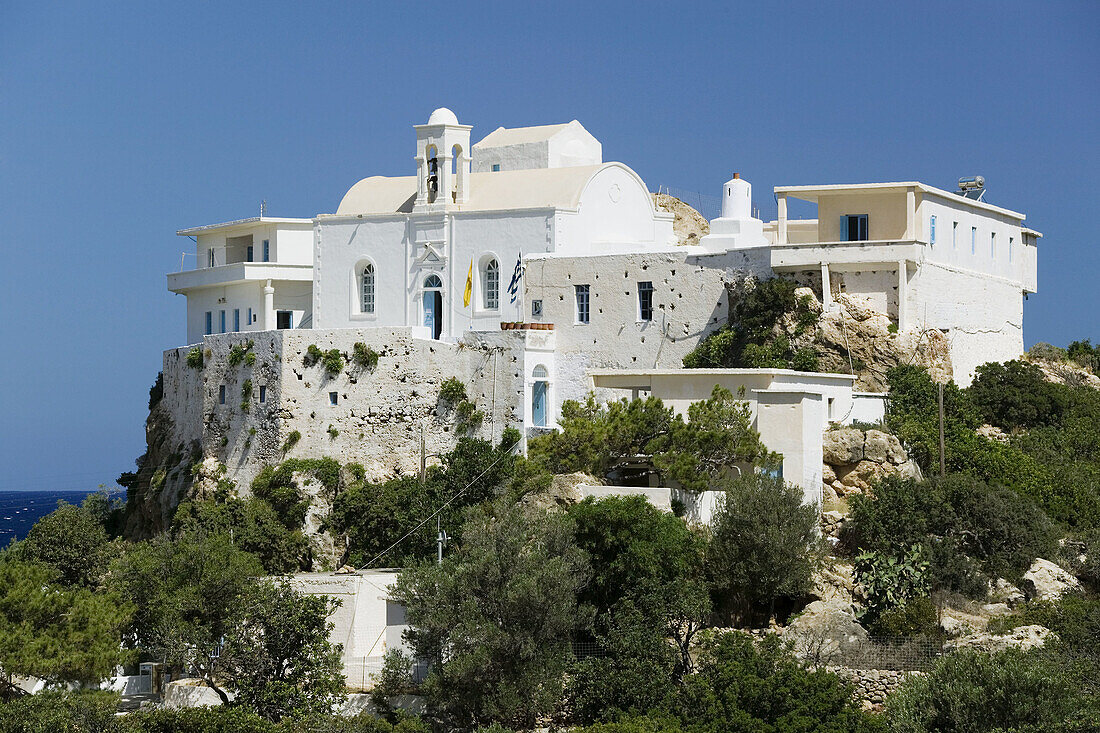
<point x="263" y="208"/>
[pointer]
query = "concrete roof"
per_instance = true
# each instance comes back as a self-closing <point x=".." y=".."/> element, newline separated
<point x="536" y="188"/>
<point x="518" y="135"/>
<point x="240" y="224"/>
<point x="811" y="193"/>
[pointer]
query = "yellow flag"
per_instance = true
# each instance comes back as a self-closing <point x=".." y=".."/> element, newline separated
<point x="469" y="286"/>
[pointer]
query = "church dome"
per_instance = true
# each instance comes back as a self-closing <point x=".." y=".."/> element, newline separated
<point x="443" y="116"/>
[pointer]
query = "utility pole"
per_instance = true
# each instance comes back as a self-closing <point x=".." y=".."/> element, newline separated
<point x="440" y="540"/>
<point x="943" y="463"/>
<point x="423" y="458"/>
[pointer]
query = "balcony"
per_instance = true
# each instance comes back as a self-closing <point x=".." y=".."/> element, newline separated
<point x="840" y="255"/>
<point x="236" y="273"/>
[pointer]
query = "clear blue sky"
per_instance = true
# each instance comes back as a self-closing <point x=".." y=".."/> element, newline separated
<point x="121" y="124"/>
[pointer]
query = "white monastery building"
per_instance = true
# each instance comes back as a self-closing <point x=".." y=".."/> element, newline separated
<point x="535" y="272"/>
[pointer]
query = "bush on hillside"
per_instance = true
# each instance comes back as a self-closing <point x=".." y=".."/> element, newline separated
<point x="1015" y="395"/>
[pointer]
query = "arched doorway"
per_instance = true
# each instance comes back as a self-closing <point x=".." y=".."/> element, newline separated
<point x="433" y="305"/>
<point x="540" y="396"/>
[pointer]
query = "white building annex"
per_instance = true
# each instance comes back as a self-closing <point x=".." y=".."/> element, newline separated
<point x="535" y="272"/>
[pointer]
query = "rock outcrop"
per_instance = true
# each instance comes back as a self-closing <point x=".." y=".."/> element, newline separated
<point x="826" y="632"/>
<point x="562" y="493"/>
<point x="1047" y="581"/>
<point x="1022" y="637"/>
<point x="689" y="225"/>
<point x="855" y="459"/>
<point x="855" y="338"/>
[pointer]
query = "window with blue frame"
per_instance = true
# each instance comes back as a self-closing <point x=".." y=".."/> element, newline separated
<point x="209" y="323"/>
<point x="932" y="230"/>
<point x="249" y="321"/>
<point x="267" y="250"/>
<point x="236" y="319"/>
<point x="853" y="228"/>
<point x="222" y="321"/>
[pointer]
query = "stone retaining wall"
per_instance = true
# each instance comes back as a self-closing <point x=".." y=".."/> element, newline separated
<point x="873" y="686"/>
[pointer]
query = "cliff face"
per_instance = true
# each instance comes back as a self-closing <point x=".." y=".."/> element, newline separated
<point x="162" y="480"/>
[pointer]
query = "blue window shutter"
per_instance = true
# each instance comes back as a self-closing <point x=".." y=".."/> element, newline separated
<point x="932" y="228"/>
<point x="843" y="228"/>
<point x="864" y="235"/>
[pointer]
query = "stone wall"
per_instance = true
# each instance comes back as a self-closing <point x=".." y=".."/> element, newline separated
<point x="873" y="686"/>
<point x="377" y="419"/>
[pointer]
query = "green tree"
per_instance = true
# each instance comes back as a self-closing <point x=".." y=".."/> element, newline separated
<point x="253" y="525"/>
<point x="1015" y="395"/>
<point x="375" y="516"/>
<point x="56" y="632"/>
<point x="495" y="619"/>
<point x="764" y="546"/>
<point x="188" y="593"/>
<point x="72" y="541"/>
<point x="277" y="656"/>
<point x="633" y="547"/>
<point x="608" y="439"/>
<point x="1007" y="692"/>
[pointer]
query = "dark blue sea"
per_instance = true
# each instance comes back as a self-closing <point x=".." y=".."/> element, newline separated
<point x="19" y="510"/>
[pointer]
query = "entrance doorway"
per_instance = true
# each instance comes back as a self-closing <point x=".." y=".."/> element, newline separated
<point x="538" y="396"/>
<point x="433" y="305"/>
<point x="284" y="319"/>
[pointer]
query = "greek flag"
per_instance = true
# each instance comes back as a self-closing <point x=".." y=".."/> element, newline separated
<point x="513" y="287"/>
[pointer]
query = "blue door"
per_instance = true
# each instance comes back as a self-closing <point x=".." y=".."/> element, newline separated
<point x="538" y="405"/>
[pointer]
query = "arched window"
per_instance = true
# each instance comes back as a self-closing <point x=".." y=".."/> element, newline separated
<point x="366" y="289"/>
<point x="490" y="284"/>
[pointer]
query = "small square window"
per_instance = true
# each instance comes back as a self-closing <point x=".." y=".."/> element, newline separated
<point x="496" y="167"/>
<point x="536" y="309"/>
<point x="221" y="394"/>
<point x="334" y="398"/>
<point x="263" y="393"/>
<point x="854" y="228"/>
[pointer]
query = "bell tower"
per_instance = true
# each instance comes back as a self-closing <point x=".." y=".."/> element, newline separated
<point x="442" y="162"/>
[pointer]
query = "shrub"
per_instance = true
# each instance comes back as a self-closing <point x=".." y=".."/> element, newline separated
<point x="1015" y="395"/>
<point x="53" y="710"/>
<point x="763" y="322"/>
<point x="764" y="546"/>
<point x="194" y="358"/>
<point x="1047" y="352"/>
<point x="332" y="432"/>
<point x="246" y="394"/>
<point x="291" y="440"/>
<point x="964" y="527"/>
<point x="333" y="362"/>
<point x="1085" y="354"/>
<point x="916" y="617"/>
<point x="1075" y="618"/>
<point x="312" y="355"/>
<point x="970" y="692"/>
<point x="890" y="581"/>
<point x="156" y="392"/>
<point x="237" y="353"/>
<point x="250" y="359"/>
<point x="364" y="356"/>
<point x="452" y="390"/>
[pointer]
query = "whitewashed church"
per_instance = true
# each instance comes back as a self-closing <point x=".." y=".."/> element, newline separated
<point x="535" y="272"/>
